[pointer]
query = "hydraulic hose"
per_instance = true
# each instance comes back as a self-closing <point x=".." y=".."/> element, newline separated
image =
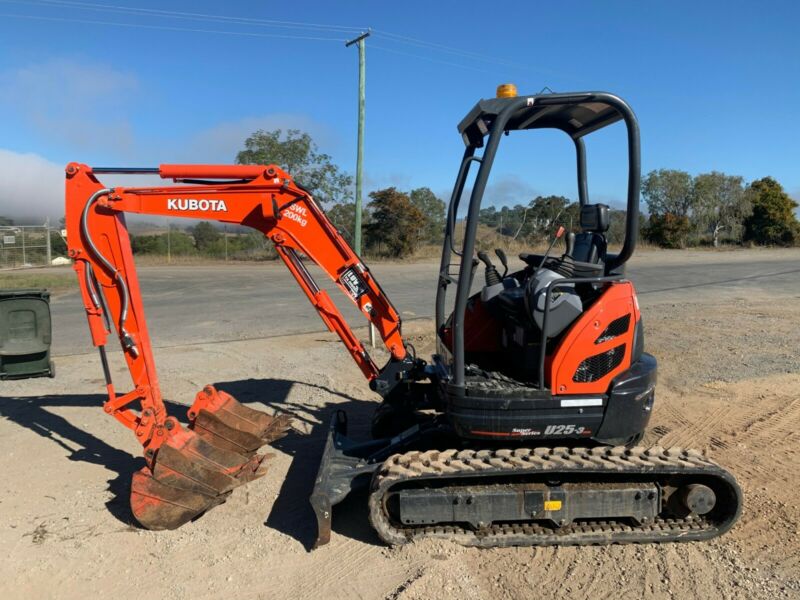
<point x="125" y="337"/>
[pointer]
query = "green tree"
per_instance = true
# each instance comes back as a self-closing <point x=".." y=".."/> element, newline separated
<point x="490" y="217"/>
<point x="297" y="154"/>
<point x="205" y="236"/>
<point x="772" y="220"/>
<point x="434" y="211"/>
<point x="670" y="199"/>
<point x="668" y="230"/>
<point x="720" y="204"/>
<point x="542" y="216"/>
<point x="395" y="223"/>
<point x="668" y="191"/>
<point x="6" y="221"/>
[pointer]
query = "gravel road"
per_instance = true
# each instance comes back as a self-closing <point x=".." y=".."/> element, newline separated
<point x="195" y="304"/>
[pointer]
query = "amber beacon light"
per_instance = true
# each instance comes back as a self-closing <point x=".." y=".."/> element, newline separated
<point x="506" y="90"/>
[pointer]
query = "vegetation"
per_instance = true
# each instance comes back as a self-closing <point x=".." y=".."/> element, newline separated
<point x="681" y="210"/>
<point x="297" y="154"/>
<point x="32" y="279"/>
<point x="772" y="220"/>
<point x="713" y="207"/>
<point x="395" y="225"/>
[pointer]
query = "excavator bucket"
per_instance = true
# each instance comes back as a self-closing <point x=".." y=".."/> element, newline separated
<point x="223" y="421"/>
<point x="196" y="469"/>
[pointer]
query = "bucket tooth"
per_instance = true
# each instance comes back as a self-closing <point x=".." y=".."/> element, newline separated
<point x="223" y="421"/>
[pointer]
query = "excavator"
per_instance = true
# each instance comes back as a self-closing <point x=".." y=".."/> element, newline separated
<point x="522" y="429"/>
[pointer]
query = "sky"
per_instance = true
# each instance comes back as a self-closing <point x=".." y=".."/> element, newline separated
<point x="715" y="86"/>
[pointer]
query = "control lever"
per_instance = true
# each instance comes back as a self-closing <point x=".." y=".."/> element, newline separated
<point x="491" y="274"/>
<point x="559" y="232"/>
<point x="570" y="243"/>
<point x="503" y="259"/>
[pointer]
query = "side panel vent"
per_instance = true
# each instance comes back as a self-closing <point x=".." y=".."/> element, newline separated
<point x="615" y="328"/>
<point x="598" y="366"/>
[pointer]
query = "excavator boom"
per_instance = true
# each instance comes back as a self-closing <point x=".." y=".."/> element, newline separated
<point x="188" y="471"/>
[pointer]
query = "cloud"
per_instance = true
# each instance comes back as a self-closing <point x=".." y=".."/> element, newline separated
<point x="82" y="104"/>
<point x="30" y="187"/>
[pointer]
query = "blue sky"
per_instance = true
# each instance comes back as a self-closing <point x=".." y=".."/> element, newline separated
<point x="716" y="86"/>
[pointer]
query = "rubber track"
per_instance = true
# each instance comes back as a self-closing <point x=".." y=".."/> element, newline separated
<point x="655" y="462"/>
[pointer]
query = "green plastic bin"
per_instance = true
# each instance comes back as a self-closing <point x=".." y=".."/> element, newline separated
<point x="25" y="334"/>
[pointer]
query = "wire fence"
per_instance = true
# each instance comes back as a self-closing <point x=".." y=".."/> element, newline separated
<point x="24" y="246"/>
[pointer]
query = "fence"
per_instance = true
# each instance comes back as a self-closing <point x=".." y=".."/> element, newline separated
<point x="25" y="246"/>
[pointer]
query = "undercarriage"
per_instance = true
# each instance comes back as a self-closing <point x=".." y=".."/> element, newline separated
<point x="524" y="496"/>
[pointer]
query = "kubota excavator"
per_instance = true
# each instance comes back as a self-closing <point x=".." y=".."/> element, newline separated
<point x="523" y="428"/>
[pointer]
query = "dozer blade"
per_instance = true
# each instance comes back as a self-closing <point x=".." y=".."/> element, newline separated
<point x="220" y="419"/>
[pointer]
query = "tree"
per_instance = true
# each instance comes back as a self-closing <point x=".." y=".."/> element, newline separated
<point x="297" y="154"/>
<point x="772" y="220"/>
<point x="6" y="221"/>
<point x="668" y="191"/>
<point x="720" y="204"/>
<point x="434" y="211"/>
<point x="535" y="221"/>
<point x="541" y="216"/>
<point x="395" y="223"/>
<point x="668" y="230"/>
<point x="205" y="236"/>
<point x="490" y="217"/>
<point x="670" y="198"/>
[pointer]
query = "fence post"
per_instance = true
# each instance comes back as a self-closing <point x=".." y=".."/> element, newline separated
<point x="49" y="247"/>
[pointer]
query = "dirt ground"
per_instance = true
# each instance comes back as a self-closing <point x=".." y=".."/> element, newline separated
<point x="729" y="375"/>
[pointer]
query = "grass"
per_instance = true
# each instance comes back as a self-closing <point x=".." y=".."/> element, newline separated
<point x="55" y="282"/>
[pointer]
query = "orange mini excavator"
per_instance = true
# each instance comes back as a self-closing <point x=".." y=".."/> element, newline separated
<point x="522" y="430"/>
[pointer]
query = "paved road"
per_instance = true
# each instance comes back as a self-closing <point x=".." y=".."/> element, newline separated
<point x="218" y="303"/>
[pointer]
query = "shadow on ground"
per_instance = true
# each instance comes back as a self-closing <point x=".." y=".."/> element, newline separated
<point x="291" y="512"/>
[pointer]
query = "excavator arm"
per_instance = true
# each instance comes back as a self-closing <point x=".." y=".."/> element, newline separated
<point x="188" y="471"/>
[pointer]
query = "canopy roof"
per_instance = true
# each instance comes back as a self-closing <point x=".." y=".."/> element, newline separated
<point x="575" y="114"/>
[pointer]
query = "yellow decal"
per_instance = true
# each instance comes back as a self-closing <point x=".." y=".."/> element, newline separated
<point x="552" y="505"/>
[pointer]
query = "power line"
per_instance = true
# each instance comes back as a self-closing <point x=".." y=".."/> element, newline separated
<point x="403" y="39"/>
<point x="432" y="47"/>
<point x="186" y="15"/>
<point x="169" y="28"/>
<point x="172" y="14"/>
<point x="430" y="59"/>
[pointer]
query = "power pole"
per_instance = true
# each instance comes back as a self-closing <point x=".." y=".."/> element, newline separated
<point x="362" y="75"/>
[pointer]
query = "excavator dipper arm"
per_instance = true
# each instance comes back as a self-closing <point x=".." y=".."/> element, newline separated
<point x="188" y="471"/>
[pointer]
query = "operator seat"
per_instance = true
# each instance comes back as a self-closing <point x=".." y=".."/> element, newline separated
<point x="590" y="245"/>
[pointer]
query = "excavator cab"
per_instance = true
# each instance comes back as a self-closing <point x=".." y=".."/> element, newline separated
<point x="557" y="346"/>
